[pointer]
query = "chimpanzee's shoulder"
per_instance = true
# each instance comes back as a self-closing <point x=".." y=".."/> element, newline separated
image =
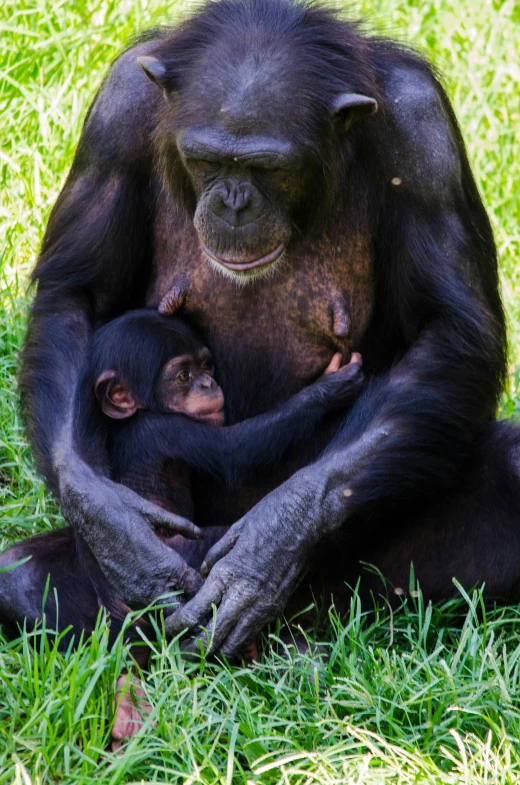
<point x="124" y="113"/>
<point x="422" y="140"/>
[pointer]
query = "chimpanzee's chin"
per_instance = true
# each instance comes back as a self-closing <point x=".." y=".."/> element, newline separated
<point x="214" y="418"/>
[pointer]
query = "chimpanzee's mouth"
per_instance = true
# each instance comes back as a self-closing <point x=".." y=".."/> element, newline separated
<point x="215" y="418"/>
<point x="239" y="266"/>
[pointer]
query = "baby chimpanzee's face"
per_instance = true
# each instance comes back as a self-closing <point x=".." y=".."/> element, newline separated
<point x="186" y="386"/>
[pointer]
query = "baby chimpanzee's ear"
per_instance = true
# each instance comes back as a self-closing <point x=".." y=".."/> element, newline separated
<point x="114" y="397"/>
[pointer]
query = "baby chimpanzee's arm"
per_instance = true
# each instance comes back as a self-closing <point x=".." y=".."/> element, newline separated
<point x="233" y="452"/>
<point x="260" y="442"/>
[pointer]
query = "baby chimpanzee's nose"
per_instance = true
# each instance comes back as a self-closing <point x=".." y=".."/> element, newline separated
<point x="207" y="381"/>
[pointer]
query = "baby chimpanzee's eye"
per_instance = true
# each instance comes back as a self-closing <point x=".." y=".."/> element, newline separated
<point x="208" y="366"/>
<point x="183" y="376"/>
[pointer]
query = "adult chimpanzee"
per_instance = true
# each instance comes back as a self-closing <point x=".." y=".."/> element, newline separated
<point x="246" y="142"/>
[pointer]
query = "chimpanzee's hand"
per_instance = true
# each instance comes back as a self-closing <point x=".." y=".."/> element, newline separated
<point x="339" y="386"/>
<point x="260" y="561"/>
<point x="119" y="527"/>
<point x="255" y="567"/>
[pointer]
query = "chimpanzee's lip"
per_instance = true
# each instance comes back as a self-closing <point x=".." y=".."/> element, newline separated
<point x="217" y="418"/>
<point x="267" y="259"/>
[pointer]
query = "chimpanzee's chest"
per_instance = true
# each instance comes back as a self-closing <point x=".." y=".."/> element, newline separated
<point x="269" y="338"/>
<point x="316" y="302"/>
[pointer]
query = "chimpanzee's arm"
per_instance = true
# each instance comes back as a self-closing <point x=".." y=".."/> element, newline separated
<point x="233" y="452"/>
<point x="410" y="433"/>
<point x="260" y="442"/>
<point x="91" y="267"/>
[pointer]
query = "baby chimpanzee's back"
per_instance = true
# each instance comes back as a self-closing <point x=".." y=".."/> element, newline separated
<point x="140" y="363"/>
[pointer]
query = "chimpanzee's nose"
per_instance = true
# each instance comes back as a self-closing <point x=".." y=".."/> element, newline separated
<point x="207" y="381"/>
<point x="230" y="199"/>
<point x="237" y="198"/>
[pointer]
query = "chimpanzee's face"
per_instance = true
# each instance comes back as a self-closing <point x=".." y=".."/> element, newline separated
<point x="245" y="188"/>
<point x="250" y="134"/>
<point x="246" y="162"/>
<point x="186" y="386"/>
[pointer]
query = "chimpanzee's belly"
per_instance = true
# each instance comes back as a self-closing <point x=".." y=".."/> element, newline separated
<point x="270" y="337"/>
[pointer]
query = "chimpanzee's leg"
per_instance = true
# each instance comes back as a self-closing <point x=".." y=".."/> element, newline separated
<point x="53" y="559"/>
<point x="67" y="565"/>
<point x="194" y="551"/>
<point x="472" y="534"/>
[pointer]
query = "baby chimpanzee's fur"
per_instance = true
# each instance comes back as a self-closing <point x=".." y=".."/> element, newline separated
<point x="149" y="387"/>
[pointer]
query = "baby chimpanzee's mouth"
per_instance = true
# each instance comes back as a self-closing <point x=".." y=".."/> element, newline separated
<point x="215" y="418"/>
<point x="267" y="259"/>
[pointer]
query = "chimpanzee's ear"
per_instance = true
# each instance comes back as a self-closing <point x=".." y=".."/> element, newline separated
<point x="114" y="397"/>
<point x="154" y="69"/>
<point x="349" y="107"/>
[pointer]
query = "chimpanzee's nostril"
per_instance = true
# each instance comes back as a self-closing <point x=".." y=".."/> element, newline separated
<point x="237" y="198"/>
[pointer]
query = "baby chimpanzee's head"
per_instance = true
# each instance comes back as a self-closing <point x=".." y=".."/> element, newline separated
<point x="143" y="360"/>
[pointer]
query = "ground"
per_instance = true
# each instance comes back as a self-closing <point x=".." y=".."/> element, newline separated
<point x="423" y="696"/>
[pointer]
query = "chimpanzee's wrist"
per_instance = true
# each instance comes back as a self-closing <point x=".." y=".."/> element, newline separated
<point x="321" y="497"/>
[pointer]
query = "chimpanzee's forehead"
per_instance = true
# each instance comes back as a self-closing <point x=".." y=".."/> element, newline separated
<point x="187" y="356"/>
<point x="250" y="92"/>
<point x="204" y="354"/>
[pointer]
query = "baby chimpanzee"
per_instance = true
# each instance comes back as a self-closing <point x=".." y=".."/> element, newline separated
<point x="151" y="380"/>
<point x="148" y="392"/>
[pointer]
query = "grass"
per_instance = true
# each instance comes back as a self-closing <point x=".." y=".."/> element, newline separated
<point x="426" y="696"/>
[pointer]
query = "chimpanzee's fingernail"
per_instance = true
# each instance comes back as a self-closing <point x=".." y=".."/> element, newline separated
<point x="193" y="531"/>
<point x="204" y="569"/>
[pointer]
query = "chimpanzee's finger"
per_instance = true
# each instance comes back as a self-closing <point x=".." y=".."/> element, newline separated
<point x="248" y="627"/>
<point x="230" y="611"/>
<point x="196" y="610"/>
<point x="185" y="577"/>
<point x="180" y="576"/>
<point x="221" y="548"/>
<point x="334" y="365"/>
<point x="175" y="524"/>
<point x="179" y="525"/>
<point x="170" y="602"/>
<point x="352" y="367"/>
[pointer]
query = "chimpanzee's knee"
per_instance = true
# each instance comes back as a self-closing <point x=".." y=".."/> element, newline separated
<point x="20" y="598"/>
<point x="471" y="533"/>
<point x="44" y="575"/>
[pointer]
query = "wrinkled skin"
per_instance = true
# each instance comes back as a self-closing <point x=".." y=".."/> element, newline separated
<point x="136" y="521"/>
<point x="255" y="567"/>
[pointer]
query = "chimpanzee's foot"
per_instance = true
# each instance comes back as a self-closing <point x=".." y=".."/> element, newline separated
<point x="131" y="710"/>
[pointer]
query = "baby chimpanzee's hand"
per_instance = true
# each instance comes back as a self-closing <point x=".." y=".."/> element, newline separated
<point x="340" y="386"/>
<point x="335" y="363"/>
